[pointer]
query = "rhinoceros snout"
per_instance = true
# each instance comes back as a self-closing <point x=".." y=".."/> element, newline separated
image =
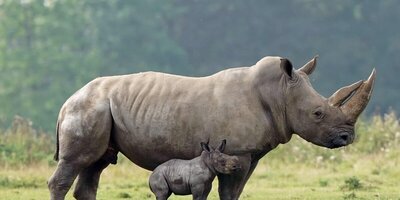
<point x="342" y="139"/>
<point x="236" y="167"/>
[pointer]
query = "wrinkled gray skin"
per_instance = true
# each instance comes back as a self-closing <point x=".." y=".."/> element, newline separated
<point x="154" y="117"/>
<point x="183" y="177"/>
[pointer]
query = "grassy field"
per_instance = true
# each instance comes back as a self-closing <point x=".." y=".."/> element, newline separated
<point x="367" y="169"/>
<point x="365" y="178"/>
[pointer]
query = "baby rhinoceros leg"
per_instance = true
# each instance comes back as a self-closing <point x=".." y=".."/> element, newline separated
<point x="201" y="191"/>
<point x="159" y="186"/>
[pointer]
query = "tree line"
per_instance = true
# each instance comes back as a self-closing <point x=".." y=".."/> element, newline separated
<point x="51" y="48"/>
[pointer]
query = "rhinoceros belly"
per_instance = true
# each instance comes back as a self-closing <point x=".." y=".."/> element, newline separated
<point x="167" y="117"/>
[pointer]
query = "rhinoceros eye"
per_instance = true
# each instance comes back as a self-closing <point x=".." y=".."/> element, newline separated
<point x="318" y="114"/>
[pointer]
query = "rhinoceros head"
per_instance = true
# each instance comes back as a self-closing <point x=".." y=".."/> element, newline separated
<point x="327" y="122"/>
<point x="220" y="162"/>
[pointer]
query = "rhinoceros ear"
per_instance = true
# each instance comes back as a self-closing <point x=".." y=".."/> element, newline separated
<point x="309" y="67"/>
<point x="221" y="147"/>
<point x="205" y="147"/>
<point x="287" y="67"/>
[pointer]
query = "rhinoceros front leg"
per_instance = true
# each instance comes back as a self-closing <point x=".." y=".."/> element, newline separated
<point x="231" y="186"/>
<point x="253" y="166"/>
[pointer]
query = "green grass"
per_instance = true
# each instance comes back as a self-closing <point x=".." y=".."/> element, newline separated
<point x="367" y="169"/>
<point x="357" y="180"/>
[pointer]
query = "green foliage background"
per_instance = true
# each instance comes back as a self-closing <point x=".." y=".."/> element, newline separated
<point x="50" y="48"/>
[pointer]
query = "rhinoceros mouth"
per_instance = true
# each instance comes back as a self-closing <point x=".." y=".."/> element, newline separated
<point x="340" y="139"/>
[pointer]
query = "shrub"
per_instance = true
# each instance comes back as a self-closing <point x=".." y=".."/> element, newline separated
<point x="22" y="145"/>
<point x="323" y="182"/>
<point x="352" y="183"/>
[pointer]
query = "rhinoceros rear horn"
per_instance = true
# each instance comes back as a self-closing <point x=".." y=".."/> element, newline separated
<point x="309" y="67"/>
<point x="357" y="100"/>
<point x="343" y="94"/>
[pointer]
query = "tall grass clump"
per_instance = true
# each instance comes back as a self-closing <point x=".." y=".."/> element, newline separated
<point x="379" y="134"/>
<point x="21" y="144"/>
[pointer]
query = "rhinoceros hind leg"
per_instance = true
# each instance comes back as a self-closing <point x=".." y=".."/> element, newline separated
<point x="88" y="181"/>
<point x="159" y="186"/>
<point x="66" y="172"/>
<point x="61" y="180"/>
<point x="83" y="139"/>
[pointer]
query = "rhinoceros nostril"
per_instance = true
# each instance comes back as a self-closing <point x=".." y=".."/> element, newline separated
<point x="236" y="167"/>
<point x="344" y="136"/>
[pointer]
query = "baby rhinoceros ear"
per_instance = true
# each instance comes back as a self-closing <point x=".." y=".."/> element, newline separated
<point x="205" y="146"/>
<point x="221" y="147"/>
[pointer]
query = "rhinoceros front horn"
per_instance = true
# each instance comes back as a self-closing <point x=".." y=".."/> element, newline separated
<point x="353" y="99"/>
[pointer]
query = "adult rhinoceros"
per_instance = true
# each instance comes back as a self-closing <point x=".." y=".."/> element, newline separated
<point x="153" y="117"/>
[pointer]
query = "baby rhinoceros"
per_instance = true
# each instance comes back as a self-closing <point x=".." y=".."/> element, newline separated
<point x="184" y="177"/>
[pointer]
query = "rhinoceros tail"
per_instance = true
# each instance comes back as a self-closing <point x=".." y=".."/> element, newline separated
<point x="57" y="144"/>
